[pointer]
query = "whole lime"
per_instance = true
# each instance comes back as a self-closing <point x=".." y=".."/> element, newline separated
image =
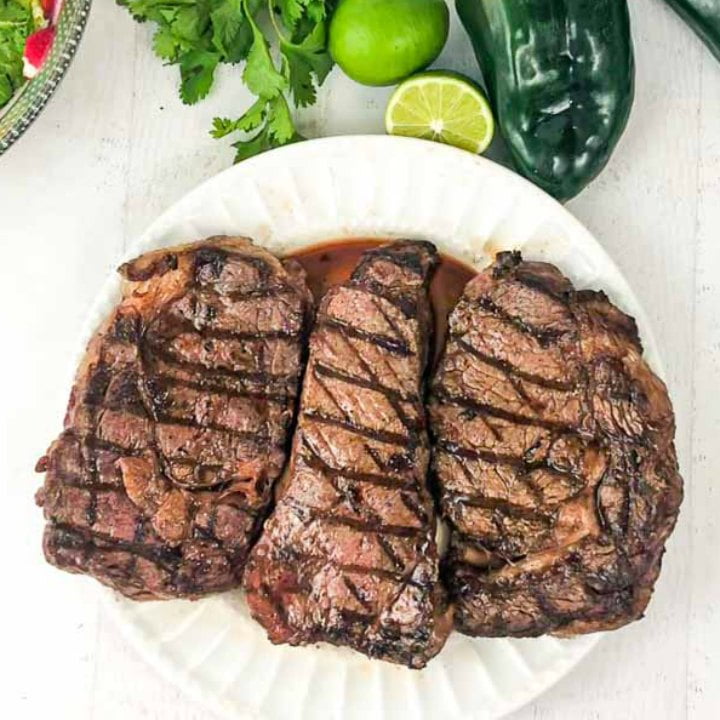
<point x="380" y="42"/>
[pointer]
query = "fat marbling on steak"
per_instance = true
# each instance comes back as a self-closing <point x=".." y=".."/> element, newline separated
<point x="348" y="555"/>
<point x="177" y="423"/>
<point x="554" y="457"/>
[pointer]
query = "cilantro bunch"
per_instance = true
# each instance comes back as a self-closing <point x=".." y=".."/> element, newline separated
<point x="283" y="44"/>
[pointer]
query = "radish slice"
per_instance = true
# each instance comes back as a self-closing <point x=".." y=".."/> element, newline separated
<point x="55" y="7"/>
<point x="37" y="47"/>
<point x="51" y="9"/>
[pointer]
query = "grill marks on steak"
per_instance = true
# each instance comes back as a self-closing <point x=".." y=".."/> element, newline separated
<point x="177" y="423"/>
<point x="348" y="555"/>
<point x="554" y="457"/>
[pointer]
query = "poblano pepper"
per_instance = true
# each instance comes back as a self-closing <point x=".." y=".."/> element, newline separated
<point x="703" y="16"/>
<point x="560" y="75"/>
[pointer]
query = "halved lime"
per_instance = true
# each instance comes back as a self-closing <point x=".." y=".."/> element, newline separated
<point x="442" y="106"/>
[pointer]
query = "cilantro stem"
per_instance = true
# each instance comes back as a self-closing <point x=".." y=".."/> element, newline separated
<point x="284" y="65"/>
<point x="273" y="20"/>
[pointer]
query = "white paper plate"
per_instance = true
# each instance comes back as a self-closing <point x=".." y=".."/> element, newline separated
<point x="329" y="189"/>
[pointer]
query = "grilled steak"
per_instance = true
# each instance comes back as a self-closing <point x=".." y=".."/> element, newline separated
<point x="554" y="457"/>
<point x="176" y="427"/>
<point x="348" y="555"/>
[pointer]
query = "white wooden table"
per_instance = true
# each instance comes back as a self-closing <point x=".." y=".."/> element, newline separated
<point x="115" y="147"/>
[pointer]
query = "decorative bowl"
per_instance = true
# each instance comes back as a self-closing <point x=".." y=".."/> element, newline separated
<point x="31" y="98"/>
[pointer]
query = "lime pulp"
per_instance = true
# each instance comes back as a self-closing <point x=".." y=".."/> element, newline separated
<point x="444" y="107"/>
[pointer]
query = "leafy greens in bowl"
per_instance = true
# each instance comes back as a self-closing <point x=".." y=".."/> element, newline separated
<point x="38" y="40"/>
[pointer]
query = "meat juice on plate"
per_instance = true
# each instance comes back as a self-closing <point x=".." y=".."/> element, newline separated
<point x="331" y="263"/>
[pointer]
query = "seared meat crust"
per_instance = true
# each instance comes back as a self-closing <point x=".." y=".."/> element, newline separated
<point x="348" y="555"/>
<point x="177" y="424"/>
<point x="554" y="457"/>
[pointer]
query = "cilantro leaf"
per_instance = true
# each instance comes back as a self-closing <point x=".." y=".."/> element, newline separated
<point x="158" y="11"/>
<point x="261" y="76"/>
<point x="251" y="120"/>
<point x="254" y="146"/>
<point x="277" y="130"/>
<point x="293" y="12"/>
<point x="191" y="24"/>
<point x="232" y="34"/>
<point x="223" y="126"/>
<point x="307" y="59"/>
<point x="165" y="44"/>
<point x="317" y="10"/>
<point x="197" y="69"/>
<point x="228" y="18"/>
<point x="253" y="117"/>
<point x="280" y="126"/>
<point x="290" y="11"/>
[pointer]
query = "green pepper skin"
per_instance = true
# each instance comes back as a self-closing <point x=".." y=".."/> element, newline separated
<point x="703" y="16"/>
<point x="561" y="78"/>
